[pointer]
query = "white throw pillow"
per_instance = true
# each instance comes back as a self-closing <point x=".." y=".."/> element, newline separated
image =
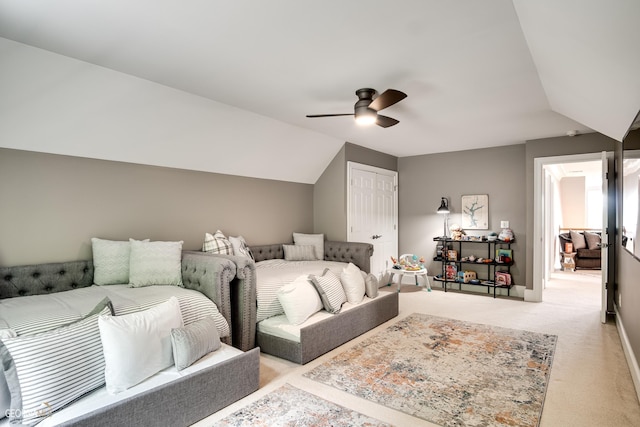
<point x="110" y="261"/>
<point x="138" y="345"/>
<point x="316" y="240"/>
<point x="240" y="247"/>
<point x="299" y="300"/>
<point x="299" y="252"/>
<point x="353" y="283"/>
<point x="155" y="263"/>
<point x="217" y="243"/>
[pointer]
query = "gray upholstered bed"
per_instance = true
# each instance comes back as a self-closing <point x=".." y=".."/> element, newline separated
<point x="178" y="403"/>
<point x="325" y="335"/>
<point x="243" y="298"/>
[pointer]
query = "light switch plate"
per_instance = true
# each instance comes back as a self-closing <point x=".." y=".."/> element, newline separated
<point x="504" y="224"/>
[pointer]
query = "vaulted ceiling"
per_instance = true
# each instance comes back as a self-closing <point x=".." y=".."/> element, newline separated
<point x="180" y="83"/>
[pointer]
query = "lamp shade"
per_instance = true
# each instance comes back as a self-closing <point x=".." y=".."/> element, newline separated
<point x="444" y="206"/>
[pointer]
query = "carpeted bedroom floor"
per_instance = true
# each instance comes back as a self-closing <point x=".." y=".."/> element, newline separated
<point x="589" y="385"/>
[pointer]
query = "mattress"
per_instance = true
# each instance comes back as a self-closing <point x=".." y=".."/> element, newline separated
<point x="100" y="398"/>
<point x="38" y="313"/>
<point x="279" y="326"/>
<point x="273" y="274"/>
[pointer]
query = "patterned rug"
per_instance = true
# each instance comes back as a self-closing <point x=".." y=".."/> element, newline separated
<point x="290" y="406"/>
<point x="448" y="372"/>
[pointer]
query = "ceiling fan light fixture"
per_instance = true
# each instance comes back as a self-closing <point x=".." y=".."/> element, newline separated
<point x="365" y="116"/>
<point x="366" y="108"/>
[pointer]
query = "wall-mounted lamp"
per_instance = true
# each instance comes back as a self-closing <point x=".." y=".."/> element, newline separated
<point x="444" y="209"/>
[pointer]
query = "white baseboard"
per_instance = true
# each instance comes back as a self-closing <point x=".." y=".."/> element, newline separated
<point x="532" y="295"/>
<point x="628" y="353"/>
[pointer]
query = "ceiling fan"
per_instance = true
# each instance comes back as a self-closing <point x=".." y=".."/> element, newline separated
<point x="366" y="109"/>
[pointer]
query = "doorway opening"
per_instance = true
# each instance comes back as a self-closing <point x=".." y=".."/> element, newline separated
<point x="571" y="197"/>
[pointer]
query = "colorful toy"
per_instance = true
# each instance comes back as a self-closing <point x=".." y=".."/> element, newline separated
<point x="409" y="262"/>
<point x="456" y="232"/>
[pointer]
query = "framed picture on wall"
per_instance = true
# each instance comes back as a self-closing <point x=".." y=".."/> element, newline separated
<point x="475" y="212"/>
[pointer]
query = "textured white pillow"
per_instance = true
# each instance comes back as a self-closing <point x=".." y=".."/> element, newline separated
<point x="240" y="247"/>
<point x="299" y="300"/>
<point x="316" y="240"/>
<point x="217" y="243"/>
<point x="353" y="283"/>
<point x="370" y="284"/>
<point x="155" y="263"/>
<point x="138" y="345"/>
<point x="110" y="261"/>
<point x="299" y="252"/>
<point x="194" y="341"/>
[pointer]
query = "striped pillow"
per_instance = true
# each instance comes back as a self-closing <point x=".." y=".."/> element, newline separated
<point x="299" y="252"/>
<point x="47" y="371"/>
<point x="330" y="289"/>
<point x="217" y="244"/>
<point x="194" y="341"/>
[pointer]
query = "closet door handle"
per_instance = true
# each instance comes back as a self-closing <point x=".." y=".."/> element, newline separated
<point x="376" y="236"/>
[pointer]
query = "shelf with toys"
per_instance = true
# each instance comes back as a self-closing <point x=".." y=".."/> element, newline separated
<point x="498" y="261"/>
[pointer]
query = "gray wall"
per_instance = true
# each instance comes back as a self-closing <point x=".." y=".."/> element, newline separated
<point x="330" y="200"/>
<point x="423" y="180"/>
<point x="366" y="156"/>
<point x="330" y="191"/>
<point x="52" y="205"/>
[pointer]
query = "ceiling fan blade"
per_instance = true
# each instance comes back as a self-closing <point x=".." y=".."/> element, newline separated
<point x="328" y="115"/>
<point x="387" y="99"/>
<point x="385" y="122"/>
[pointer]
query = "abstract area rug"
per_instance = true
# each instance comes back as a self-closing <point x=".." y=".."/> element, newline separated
<point x="290" y="406"/>
<point x="448" y="372"/>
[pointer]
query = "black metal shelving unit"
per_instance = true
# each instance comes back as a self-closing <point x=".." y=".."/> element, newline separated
<point x="492" y="267"/>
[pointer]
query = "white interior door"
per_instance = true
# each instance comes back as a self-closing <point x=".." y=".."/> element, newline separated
<point x="604" y="262"/>
<point x="373" y="212"/>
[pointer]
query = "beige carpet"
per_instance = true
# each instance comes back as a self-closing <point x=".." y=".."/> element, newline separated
<point x="590" y="384"/>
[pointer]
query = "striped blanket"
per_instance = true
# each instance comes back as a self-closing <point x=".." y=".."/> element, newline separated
<point x="38" y="313"/>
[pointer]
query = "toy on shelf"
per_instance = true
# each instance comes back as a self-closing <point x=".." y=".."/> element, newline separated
<point x="456" y="232"/>
<point x="506" y="235"/>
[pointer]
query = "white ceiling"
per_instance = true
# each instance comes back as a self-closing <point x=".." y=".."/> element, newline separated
<point x="477" y="73"/>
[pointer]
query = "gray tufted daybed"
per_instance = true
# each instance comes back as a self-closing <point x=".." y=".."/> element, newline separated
<point x="243" y="298"/>
<point x="325" y="335"/>
<point x="182" y="401"/>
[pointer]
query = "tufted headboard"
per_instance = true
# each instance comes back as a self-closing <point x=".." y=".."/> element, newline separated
<point x="355" y="252"/>
<point x="44" y="278"/>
